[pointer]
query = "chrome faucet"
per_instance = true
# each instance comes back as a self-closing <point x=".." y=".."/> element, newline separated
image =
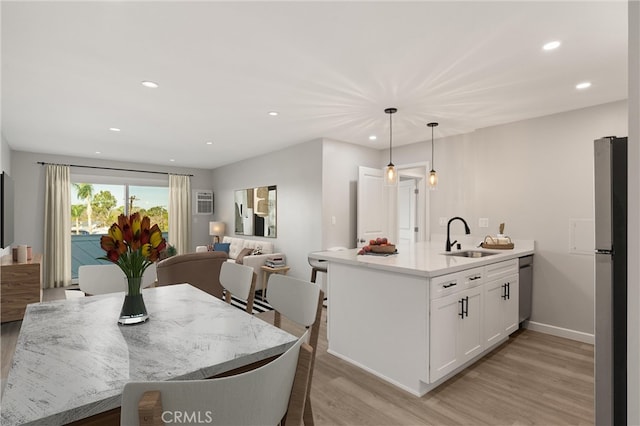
<point x="466" y="231"/>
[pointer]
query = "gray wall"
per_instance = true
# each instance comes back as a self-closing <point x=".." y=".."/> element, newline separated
<point x="29" y="188"/>
<point x="536" y="176"/>
<point x="297" y="172"/>
<point x="340" y="163"/>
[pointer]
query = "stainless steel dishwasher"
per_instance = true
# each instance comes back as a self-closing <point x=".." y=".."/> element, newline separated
<point x="525" y="280"/>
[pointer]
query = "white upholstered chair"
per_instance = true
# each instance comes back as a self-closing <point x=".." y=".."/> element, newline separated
<point x="274" y="390"/>
<point x="301" y="302"/>
<point x="150" y="276"/>
<point x="200" y="249"/>
<point x="109" y="278"/>
<point x="101" y="279"/>
<point x="239" y="280"/>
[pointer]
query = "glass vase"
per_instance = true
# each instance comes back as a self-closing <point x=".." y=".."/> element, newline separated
<point x="133" y="309"/>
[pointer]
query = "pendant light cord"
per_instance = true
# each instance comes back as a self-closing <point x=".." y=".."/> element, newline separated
<point x="390" y="136"/>
<point x="432" y="125"/>
<point x="433" y="167"/>
<point x="390" y="111"/>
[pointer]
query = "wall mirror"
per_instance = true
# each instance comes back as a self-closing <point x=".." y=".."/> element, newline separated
<point x="255" y="211"/>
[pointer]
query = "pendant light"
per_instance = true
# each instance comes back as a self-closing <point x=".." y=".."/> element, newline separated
<point x="390" y="173"/>
<point x="433" y="176"/>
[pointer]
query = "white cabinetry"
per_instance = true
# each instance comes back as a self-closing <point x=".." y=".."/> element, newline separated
<point x="500" y="301"/>
<point x="455" y="321"/>
<point x="470" y="312"/>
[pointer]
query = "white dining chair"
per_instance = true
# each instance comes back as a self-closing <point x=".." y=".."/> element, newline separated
<point x="101" y="279"/>
<point x="109" y="278"/>
<point x="201" y="249"/>
<point x="274" y="390"/>
<point x="240" y="281"/>
<point x="149" y="277"/>
<point x="301" y="302"/>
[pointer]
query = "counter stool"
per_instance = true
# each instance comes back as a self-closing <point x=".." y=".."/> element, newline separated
<point x="320" y="265"/>
<point x="317" y="267"/>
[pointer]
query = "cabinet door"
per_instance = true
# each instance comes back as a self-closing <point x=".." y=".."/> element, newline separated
<point x="470" y="339"/>
<point x="511" y="314"/>
<point x="494" y="299"/>
<point x="501" y="309"/>
<point x="443" y="348"/>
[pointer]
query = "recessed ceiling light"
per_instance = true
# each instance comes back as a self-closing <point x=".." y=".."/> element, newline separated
<point x="98" y="152"/>
<point x="172" y="160"/>
<point x="551" y="45"/>
<point x="583" y="85"/>
<point x="209" y="143"/>
<point x="373" y="137"/>
<point x="150" y="84"/>
<point x="114" y="129"/>
<point x="273" y="113"/>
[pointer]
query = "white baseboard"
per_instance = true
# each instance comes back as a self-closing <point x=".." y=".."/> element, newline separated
<point x="560" y="332"/>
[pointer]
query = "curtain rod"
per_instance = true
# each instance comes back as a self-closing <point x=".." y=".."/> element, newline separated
<point x="114" y="168"/>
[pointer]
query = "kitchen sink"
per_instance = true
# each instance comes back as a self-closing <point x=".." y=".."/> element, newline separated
<point x="470" y="253"/>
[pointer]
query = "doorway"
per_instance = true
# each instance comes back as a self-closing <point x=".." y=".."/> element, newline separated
<point x="400" y="215"/>
<point x="407" y="210"/>
<point x="412" y="217"/>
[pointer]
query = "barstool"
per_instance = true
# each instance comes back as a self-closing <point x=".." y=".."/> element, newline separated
<point x="320" y="265"/>
<point x="317" y="265"/>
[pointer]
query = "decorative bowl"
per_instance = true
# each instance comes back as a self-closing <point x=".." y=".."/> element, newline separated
<point x="389" y="248"/>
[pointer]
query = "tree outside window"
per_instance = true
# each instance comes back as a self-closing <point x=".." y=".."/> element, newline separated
<point x="95" y="207"/>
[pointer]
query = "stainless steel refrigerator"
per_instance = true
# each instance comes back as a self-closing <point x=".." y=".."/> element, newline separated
<point x="611" y="281"/>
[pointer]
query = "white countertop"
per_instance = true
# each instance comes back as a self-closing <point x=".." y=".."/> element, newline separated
<point x="426" y="259"/>
<point x="72" y="359"/>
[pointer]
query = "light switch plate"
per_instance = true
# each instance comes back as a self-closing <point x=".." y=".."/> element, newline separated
<point x="443" y="221"/>
<point x="483" y="222"/>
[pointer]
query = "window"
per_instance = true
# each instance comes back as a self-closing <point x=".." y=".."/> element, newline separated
<point x="96" y="206"/>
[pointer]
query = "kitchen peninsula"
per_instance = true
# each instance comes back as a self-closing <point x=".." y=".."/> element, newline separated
<point x="417" y="317"/>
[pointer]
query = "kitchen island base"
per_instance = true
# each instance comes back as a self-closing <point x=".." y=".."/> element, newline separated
<point x="417" y="327"/>
<point x="367" y="323"/>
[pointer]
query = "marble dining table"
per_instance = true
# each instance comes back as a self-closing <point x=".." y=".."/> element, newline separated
<point x="72" y="359"/>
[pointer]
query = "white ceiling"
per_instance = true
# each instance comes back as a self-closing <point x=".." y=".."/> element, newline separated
<point x="72" y="70"/>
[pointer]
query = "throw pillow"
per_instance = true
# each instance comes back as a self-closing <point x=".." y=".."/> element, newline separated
<point x="244" y="252"/>
<point x="221" y="247"/>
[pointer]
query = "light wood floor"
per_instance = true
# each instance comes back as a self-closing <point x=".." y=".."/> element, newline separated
<point x="532" y="379"/>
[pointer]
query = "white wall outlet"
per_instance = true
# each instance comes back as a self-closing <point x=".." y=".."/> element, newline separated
<point x="483" y="222"/>
<point x="443" y="221"/>
<point x="333" y="220"/>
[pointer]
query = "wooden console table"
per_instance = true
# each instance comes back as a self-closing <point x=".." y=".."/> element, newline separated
<point x="21" y="284"/>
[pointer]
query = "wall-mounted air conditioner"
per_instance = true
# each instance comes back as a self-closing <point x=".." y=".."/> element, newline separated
<point x="203" y="201"/>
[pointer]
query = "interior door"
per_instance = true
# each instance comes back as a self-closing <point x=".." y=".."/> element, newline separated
<point x="373" y="206"/>
<point x="407" y="211"/>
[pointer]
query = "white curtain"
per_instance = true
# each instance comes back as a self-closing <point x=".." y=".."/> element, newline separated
<point x="180" y="213"/>
<point x="57" y="226"/>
